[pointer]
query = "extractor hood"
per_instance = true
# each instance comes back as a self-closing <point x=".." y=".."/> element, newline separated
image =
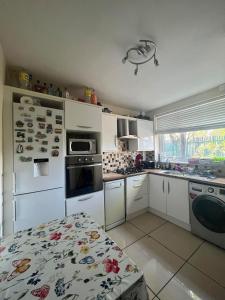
<point x="126" y="128"/>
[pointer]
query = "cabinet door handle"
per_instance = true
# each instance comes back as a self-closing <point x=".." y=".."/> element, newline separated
<point x="163" y="186"/>
<point x="85" y="199"/>
<point x="137" y="185"/>
<point x="115" y="187"/>
<point x="14" y="204"/>
<point x="115" y="142"/>
<point x="137" y="199"/>
<point x="168" y="187"/>
<point x="83" y="126"/>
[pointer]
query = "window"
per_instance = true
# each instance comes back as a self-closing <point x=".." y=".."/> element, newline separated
<point x="201" y="144"/>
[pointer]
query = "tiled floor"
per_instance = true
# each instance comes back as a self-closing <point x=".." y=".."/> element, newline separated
<point x="177" y="265"/>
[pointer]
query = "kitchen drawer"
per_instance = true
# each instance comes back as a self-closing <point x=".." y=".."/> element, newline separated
<point x="93" y="204"/>
<point x="136" y="186"/>
<point x="139" y="203"/>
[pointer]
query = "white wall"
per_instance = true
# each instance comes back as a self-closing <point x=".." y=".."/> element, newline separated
<point x="2" y="80"/>
<point x="195" y="99"/>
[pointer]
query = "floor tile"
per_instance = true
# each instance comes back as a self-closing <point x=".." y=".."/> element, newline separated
<point x="178" y="240"/>
<point x="150" y="294"/>
<point x="157" y="263"/>
<point x="210" y="260"/>
<point x="147" y="222"/>
<point x="191" y="284"/>
<point x="125" y="234"/>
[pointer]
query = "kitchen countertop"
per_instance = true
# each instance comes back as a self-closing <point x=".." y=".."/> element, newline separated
<point x="217" y="181"/>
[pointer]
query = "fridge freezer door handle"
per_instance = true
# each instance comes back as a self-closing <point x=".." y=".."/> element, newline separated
<point x="14" y="182"/>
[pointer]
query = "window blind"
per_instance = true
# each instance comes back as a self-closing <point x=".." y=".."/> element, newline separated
<point x="210" y="115"/>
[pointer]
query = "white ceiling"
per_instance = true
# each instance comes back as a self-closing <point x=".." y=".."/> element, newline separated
<point x="82" y="42"/>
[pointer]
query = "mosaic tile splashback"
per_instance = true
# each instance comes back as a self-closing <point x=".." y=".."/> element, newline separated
<point x="121" y="159"/>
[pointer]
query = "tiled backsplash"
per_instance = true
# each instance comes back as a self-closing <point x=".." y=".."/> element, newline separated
<point x="121" y="159"/>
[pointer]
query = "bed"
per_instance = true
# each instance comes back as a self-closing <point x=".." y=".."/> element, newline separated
<point x="69" y="259"/>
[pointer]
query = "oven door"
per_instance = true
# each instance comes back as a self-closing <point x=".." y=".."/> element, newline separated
<point x="84" y="179"/>
<point x="210" y="212"/>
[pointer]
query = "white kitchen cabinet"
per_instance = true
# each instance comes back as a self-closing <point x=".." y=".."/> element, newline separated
<point x="93" y="204"/>
<point x="114" y="203"/>
<point x="145" y="141"/>
<point x="178" y="199"/>
<point x="137" y="193"/>
<point x="169" y="196"/>
<point x="36" y="208"/>
<point x="157" y="192"/>
<point x="109" y="132"/>
<point x="82" y="117"/>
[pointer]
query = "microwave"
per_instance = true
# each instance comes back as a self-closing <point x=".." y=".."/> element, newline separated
<point x="82" y="146"/>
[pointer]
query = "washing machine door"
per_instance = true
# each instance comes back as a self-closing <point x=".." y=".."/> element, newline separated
<point x="210" y="212"/>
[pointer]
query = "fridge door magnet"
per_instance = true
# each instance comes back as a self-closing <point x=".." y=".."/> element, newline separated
<point x="19" y="149"/>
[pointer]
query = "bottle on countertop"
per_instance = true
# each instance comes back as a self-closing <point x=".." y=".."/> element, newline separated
<point x="44" y="88"/>
<point x="23" y="79"/>
<point x="66" y="93"/>
<point x="38" y="87"/>
<point x="51" y="89"/>
<point x="93" y="99"/>
<point x="30" y="86"/>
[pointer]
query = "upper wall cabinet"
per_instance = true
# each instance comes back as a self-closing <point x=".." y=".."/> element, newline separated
<point x="145" y="141"/>
<point x="82" y="117"/>
<point x="109" y="132"/>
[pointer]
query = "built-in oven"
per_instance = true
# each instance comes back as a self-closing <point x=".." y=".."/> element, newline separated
<point x="83" y="174"/>
<point x="82" y="146"/>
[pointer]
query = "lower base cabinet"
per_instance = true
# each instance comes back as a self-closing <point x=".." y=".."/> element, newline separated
<point x="178" y="199"/>
<point x="93" y="204"/>
<point x="169" y="196"/>
<point x="136" y="193"/>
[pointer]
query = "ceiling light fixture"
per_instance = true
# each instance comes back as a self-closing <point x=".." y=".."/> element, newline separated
<point x="141" y="54"/>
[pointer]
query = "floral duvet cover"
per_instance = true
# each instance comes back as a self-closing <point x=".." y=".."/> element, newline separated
<point x="69" y="259"/>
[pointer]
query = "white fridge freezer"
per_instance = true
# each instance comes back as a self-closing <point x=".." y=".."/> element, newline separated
<point x="36" y="208"/>
<point x="38" y="148"/>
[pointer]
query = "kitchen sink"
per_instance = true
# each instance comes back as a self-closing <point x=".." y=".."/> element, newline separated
<point x="172" y="172"/>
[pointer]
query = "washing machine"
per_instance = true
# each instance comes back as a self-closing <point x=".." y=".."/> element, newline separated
<point x="207" y="212"/>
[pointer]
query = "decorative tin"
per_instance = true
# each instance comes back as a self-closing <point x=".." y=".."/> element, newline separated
<point x="30" y="124"/>
<point x="30" y="130"/>
<point x="31" y="109"/>
<point x="30" y="139"/>
<point x="44" y="142"/>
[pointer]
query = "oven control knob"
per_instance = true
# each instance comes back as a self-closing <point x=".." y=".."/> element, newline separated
<point x="211" y="190"/>
<point x="79" y="159"/>
<point x="91" y="159"/>
<point x="86" y="159"/>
